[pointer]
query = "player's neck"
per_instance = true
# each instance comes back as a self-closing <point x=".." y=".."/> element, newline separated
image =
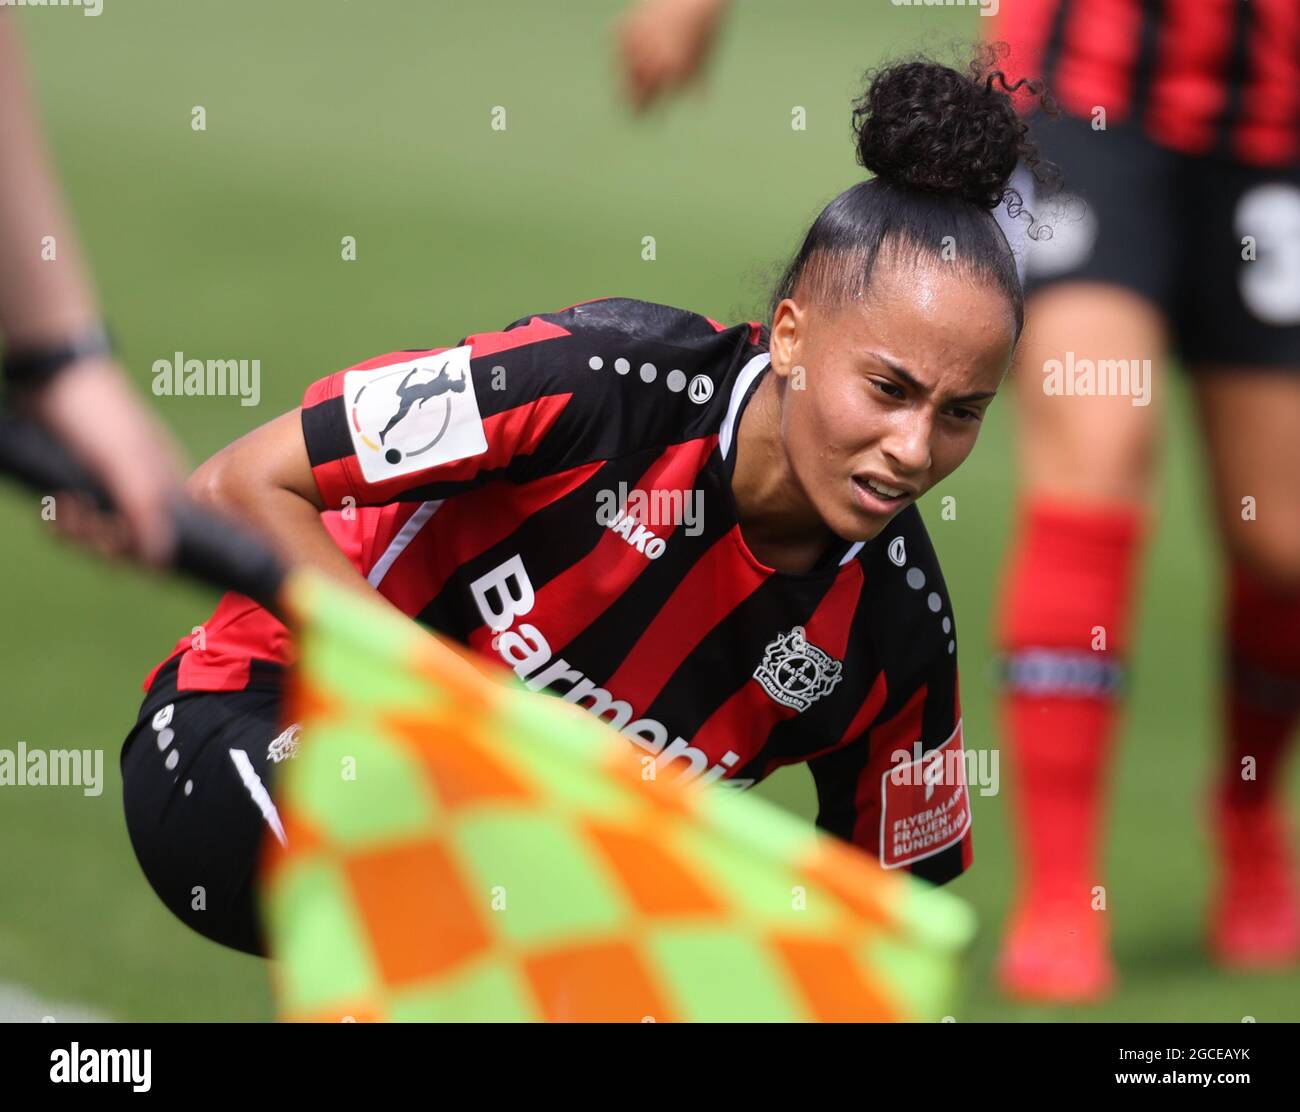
<point x="779" y="524"/>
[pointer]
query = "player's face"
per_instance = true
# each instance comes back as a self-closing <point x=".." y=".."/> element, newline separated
<point x="892" y="391"/>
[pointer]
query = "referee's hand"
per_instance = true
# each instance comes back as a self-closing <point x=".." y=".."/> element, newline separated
<point x="92" y="409"/>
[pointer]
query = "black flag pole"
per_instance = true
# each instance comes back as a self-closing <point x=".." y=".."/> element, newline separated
<point x="208" y="547"/>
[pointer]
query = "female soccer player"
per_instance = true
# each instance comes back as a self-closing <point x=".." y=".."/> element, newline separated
<point x="1180" y="137"/>
<point x="705" y="535"/>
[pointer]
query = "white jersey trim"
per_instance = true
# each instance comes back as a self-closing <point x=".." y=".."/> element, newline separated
<point x="405" y="535"/>
<point x="748" y="373"/>
<point x="852" y="552"/>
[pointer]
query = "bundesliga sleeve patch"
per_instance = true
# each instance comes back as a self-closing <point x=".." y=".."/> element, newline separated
<point x="924" y="804"/>
<point x="411" y="416"/>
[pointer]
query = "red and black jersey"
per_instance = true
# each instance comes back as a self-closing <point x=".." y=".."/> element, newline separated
<point x="557" y="495"/>
<point x="1205" y="77"/>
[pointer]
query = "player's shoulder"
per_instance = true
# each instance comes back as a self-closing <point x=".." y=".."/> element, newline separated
<point x="633" y="320"/>
<point x="658" y="372"/>
<point x="633" y="342"/>
<point x="597" y="380"/>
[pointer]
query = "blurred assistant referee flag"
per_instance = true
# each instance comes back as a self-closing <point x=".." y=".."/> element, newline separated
<point x="461" y="849"/>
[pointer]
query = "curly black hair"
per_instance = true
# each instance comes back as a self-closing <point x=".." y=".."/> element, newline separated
<point x="926" y="126"/>
<point x="942" y="145"/>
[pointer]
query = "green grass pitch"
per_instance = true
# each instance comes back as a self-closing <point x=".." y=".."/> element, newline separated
<point x="373" y="120"/>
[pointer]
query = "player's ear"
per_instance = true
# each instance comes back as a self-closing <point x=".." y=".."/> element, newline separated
<point x="789" y="324"/>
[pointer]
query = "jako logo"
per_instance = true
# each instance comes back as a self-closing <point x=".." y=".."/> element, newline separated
<point x="640" y="537"/>
<point x="506" y="593"/>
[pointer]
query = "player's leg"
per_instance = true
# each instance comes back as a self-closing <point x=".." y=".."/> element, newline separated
<point x="1243" y="343"/>
<point x="1086" y="467"/>
<point x="1256" y="481"/>
<point x="1099" y="292"/>
<point x="197" y="775"/>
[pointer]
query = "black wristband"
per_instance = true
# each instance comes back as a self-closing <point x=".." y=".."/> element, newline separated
<point x="32" y="368"/>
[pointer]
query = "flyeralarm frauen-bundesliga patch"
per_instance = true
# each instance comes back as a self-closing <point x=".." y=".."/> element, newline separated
<point x="924" y="803"/>
<point x="411" y="416"/>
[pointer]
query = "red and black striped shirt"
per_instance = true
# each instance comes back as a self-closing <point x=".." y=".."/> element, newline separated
<point x="1205" y="77"/>
<point x="558" y="495"/>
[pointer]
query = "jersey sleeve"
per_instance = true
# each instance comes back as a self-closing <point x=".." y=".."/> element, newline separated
<point x="899" y="789"/>
<point x="547" y="393"/>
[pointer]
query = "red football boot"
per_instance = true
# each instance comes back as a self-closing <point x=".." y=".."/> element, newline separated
<point x="1255" y="920"/>
<point x="1056" y="953"/>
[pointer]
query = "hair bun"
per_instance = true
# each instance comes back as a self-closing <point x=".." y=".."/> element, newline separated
<point x="927" y="126"/>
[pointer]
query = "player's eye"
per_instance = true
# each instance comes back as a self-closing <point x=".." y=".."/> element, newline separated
<point x="887" y="387"/>
<point x="964" y="413"/>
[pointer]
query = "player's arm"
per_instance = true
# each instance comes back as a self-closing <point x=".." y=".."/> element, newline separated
<point x="406" y="426"/>
<point x="265" y="480"/>
<point x="55" y="355"/>
<point x="415" y="426"/>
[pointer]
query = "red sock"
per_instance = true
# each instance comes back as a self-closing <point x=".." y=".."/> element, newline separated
<point x="1064" y="630"/>
<point x="1262" y="701"/>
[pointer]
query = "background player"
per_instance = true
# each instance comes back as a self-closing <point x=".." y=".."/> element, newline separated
<point x="805" y="621"/>
<point x="1180" y="136"/>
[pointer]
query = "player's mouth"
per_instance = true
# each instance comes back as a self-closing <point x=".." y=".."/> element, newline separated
<point x="877" y="496"/>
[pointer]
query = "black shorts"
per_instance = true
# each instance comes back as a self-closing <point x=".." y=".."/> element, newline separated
<point x="1170" y="227"/>
<point x="197" y="772"/>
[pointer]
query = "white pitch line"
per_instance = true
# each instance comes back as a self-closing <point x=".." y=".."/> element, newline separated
<point x="20" y="1005"/>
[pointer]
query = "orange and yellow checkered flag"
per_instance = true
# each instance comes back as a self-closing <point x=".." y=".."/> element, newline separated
<point x="460" y="848"/>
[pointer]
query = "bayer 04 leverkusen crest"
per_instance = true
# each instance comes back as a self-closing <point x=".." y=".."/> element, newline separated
<point x="796" y="672"/>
